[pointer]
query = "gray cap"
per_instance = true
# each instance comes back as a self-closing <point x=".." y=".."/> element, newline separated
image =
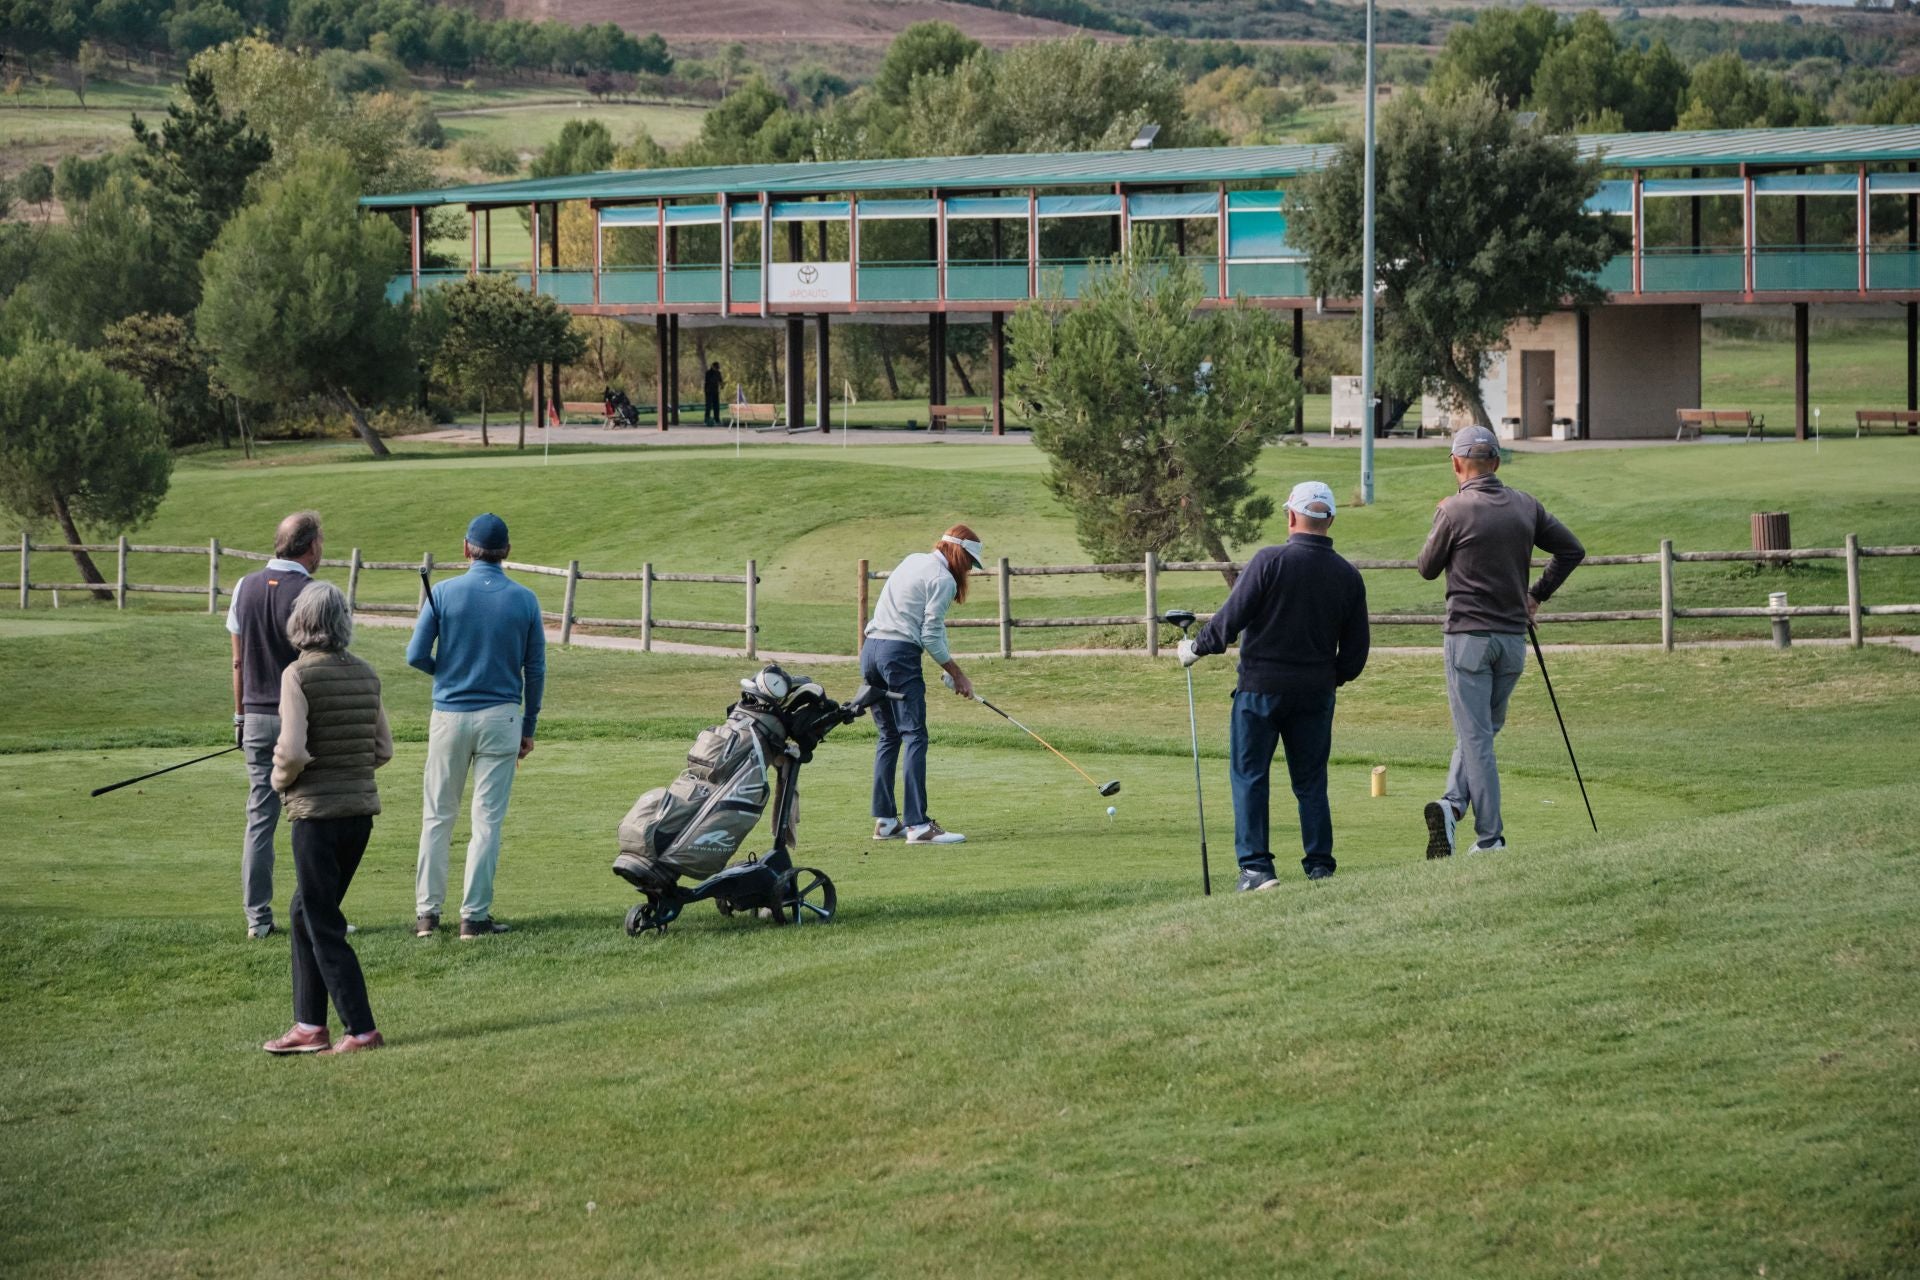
<point x="1475" y="442"/>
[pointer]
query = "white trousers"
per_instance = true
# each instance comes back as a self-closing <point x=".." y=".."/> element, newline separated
<point x="488" y="742"/>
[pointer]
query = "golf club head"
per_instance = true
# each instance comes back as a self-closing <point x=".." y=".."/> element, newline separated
<point x="1181" y="618"/>
<point x="1111" y="789"/>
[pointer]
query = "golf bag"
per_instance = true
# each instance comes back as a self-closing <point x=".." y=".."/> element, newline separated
<point x="695" y="825"/>
<point x="620" y="411"/>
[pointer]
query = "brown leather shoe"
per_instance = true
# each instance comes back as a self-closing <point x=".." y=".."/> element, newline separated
<point x="298" y="1041"/>
<point x="351" y="1044"/>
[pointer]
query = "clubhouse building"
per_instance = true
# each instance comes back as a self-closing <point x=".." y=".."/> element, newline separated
<point x="1737" y="218"/>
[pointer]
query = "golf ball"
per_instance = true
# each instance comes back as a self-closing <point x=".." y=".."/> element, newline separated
<point x="1111" y="811"/>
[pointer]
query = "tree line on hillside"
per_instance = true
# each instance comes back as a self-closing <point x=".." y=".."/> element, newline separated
<point x="421" y="34"/>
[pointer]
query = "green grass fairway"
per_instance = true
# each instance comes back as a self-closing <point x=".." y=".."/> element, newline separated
<point x="808" y="514"/>
<point x="1684" y="1047"/>
<point x="533" y="125"/>
<point x="1859" y="364"/>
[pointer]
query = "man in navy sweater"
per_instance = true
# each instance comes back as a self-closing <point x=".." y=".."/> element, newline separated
<point x="481" y="639"/>
<point x="1300" y="611"/>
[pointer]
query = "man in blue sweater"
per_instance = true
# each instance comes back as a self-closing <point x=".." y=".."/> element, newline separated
<point x="1300" y="611"/>
<point x="481" y="639"/>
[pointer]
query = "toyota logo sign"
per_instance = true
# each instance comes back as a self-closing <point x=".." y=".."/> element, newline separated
<point x="809" y="275"/>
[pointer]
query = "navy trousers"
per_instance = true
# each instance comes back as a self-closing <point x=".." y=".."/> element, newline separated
<point x="894" y="665"/>
<point x="1303" y="724"/>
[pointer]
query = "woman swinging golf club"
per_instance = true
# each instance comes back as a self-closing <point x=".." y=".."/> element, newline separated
<point x="911" y="618"/>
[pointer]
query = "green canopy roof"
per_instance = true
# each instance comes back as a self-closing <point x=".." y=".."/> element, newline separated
<point x="1840" y="144"/>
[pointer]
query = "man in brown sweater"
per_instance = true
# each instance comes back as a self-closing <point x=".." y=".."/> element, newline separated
<point x="1483" y="539"/>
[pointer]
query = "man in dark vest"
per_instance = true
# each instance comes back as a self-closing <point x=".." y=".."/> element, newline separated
<point x="257" y="619"/>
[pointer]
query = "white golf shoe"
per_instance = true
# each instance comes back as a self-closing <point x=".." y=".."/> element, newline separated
<point x="932" y="833"/>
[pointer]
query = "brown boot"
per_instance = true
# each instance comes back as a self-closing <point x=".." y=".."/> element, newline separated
<point x="298" y="1041"/>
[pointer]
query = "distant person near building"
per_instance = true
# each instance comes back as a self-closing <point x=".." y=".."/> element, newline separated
<point x="480" y="637"/>
<point x="713" y="380"/>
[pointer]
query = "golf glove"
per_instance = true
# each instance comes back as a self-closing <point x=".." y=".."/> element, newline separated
<point x="1188" y="653"/>
<point x="239" y="731"/>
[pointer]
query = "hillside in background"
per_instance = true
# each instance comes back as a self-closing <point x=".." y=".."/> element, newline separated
<point x="860" y="22"/>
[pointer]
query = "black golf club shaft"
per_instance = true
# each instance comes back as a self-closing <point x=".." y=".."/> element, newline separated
<point x="100" y="791"/>
<point x="426" y="586"/>
<point x="1183" y="619"/>
<point x="1541" y="658"/>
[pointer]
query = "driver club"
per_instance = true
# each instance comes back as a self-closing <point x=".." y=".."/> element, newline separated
<point x="1105" y="789"/>
<point x="1184" y="619"/>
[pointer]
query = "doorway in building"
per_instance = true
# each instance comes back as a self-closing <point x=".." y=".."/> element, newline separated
<point x="1536" y="394"/>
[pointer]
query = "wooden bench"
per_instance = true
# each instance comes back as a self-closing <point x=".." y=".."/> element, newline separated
<point x="595" y="409"/>
<point x="1895" y="418"/>
<point x="763" y="416"/>
<point x="1693" y="420"/>
<point x="937" y="415"/>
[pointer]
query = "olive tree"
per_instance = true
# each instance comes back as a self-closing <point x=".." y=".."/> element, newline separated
<point x="1152" y="411"/>
<point x="1479" y="219"/>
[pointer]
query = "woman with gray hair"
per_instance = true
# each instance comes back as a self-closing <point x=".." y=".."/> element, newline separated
<point x="333" y="735"/>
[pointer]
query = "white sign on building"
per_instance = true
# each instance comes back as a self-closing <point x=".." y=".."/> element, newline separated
<point x="809" y="283"/>
<point x="1348" y="411"/>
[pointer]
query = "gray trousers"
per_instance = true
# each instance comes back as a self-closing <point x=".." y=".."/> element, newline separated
<point x="1481" y="672"/>
<point x="257" y="736"/>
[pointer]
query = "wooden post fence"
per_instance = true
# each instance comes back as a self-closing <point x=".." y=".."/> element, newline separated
<point x="1153" y="605"/>
<point x="753" y="610"/>
<point x="860" y="611"/>
<point x="120" y="573"/>
<point x="213" y="575"/>
<point x="353" y="579"/>
<point x="646" y="607"/>
<point x="26" y="553"/>
<point x="566" y="605"/>
<point x="1005" y="585"/>
<point x="1856" y="625"/>
<point x="1666" y="594"/>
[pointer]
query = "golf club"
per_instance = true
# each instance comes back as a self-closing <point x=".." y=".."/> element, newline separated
<point x="1105" y="789"/>
<point x="426" y="586"/>
<point x="1183" y="619"/>
<point x="100" y="791"/>
<point x="1541" y="658"/>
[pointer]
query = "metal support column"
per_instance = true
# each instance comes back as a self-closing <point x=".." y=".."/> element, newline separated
<point x="660" y="367"/>
<point x="673" y="373"/>
<point x="1800" y="412"/>
<point x="1300" y="370"/>
<point x="997" y="345"/>
<point x="823" y="371"/>
<point x="796" y="373"/>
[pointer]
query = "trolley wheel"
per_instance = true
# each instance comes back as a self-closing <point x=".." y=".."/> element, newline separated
<point x="807" y="897"/>
<point x="641" y="921"/>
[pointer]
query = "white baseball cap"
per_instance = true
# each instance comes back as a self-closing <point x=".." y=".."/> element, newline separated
<point x="1312" y="499"/>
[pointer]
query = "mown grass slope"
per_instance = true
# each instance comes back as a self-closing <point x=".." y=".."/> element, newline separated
<point x="1682" y="1047"/>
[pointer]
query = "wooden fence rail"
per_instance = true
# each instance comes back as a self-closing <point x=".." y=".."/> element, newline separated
<point x="356" y="565"/>
<point x="1856" y="610"/>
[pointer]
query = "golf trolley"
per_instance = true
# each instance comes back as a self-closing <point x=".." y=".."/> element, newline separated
<point x="691" y="828"/>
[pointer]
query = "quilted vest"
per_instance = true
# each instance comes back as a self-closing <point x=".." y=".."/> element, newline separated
<point x="343" y="711"/>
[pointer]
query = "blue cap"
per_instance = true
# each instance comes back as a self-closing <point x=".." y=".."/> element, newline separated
<point x="488" y="532"/>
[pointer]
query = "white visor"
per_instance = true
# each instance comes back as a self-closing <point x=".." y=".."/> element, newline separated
<point x="968" y="545"/>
